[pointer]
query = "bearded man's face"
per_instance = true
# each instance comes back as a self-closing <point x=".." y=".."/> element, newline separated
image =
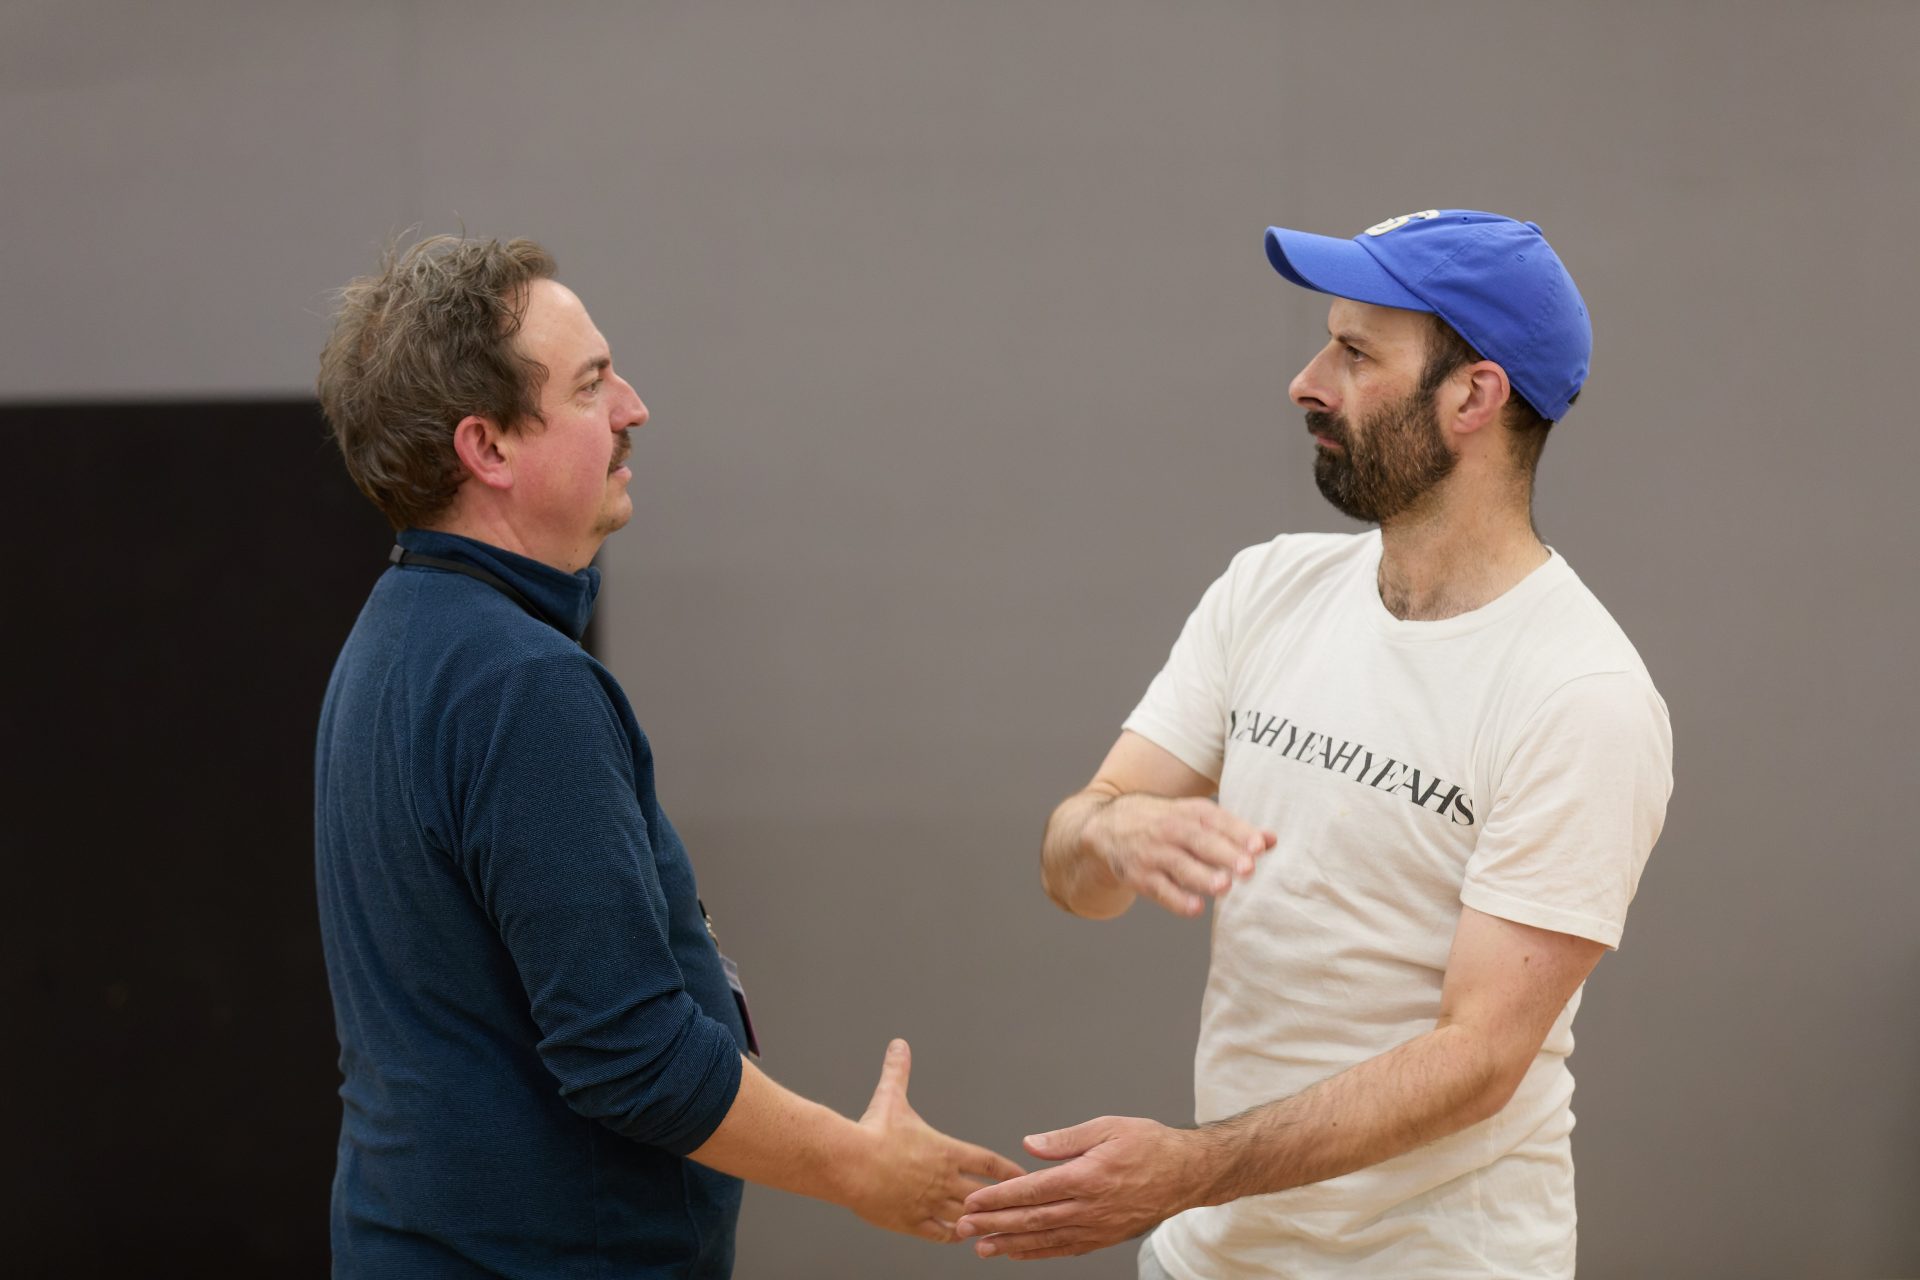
<point x="1395" y="459"/>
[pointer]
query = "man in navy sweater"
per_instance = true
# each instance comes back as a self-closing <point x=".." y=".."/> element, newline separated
<point x="541" y="1044"/>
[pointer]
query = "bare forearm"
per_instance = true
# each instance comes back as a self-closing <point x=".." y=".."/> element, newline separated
<point x="1121" y="1174"/>
<point x="1506" y="983"/>
<point x="777" y="1138"/>
<point x="1072" y="870"/>
<point x="1424" y="1090"/>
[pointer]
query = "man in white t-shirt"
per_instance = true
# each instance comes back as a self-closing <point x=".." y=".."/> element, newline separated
<point x="1439" y="768"/>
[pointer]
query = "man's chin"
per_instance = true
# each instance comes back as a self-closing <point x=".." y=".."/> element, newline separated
<point x="1335" y="482"/>
<point x="615" y="517"/>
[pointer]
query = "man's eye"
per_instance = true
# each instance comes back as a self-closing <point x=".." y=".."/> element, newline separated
<point x="593" y="386"/>
<point x="1354" y="353"/>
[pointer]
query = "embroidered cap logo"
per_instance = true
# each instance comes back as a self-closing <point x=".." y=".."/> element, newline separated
<point x="1392" y="224"/>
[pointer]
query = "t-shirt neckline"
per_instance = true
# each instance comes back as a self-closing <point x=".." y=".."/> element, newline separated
<point x="1515" y="599"/>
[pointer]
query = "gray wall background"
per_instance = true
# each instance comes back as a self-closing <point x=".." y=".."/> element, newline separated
<point x="968" y="374"/>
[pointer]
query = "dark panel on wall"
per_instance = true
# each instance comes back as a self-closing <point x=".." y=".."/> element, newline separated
<point x="179" y="579"/>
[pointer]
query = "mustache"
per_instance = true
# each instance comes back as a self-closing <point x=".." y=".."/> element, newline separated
<point x="1328" y="425"/>
<point x="621" y="453"/>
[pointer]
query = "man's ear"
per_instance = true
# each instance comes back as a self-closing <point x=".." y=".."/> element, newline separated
<point x="483" y="451"/>
<point x="1487" y="393"/>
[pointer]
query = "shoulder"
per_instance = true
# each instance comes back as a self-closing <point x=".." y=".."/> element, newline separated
<point x="545" y="717"/>
<point x="455" y="618"/>
<point x="475" y="654"/>
<point x="1576" y="636"/>
<point x="1305" y="554"/>
<point x="1293" y="567"/>
<point x="1582" y="674"/>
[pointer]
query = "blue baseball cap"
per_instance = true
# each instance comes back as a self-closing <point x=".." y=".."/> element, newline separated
<point x="1496" y="281"/>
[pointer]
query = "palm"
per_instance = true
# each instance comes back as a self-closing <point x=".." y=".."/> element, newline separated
<point x="922" y="1176"/>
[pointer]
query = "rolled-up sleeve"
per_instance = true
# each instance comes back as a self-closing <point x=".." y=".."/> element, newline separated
<point x="555" y="847"/>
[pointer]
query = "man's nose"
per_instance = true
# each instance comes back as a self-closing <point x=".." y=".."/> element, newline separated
<point x="634" y="412"/>
<point x="1309" y="389"/>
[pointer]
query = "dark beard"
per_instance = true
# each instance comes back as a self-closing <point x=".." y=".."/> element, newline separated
<point x="1400" y="457"/>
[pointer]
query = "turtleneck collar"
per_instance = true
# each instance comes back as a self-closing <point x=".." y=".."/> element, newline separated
<point x="564" y="600"/>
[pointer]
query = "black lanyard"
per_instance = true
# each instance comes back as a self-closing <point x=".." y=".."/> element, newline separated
<point x="400" y="555"/>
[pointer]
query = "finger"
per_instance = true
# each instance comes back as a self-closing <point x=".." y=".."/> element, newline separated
<point x="1074" y="1140"/>
<point x="1247" y="840"/>
<point x="894" y="1070"/>
<point x="1031" y="1245"/>
<point x="962" y="1185"/>
<point x="1156" y="885"/>
<point x="1038" y="1217"/>
<point x="1195" y="875"/>
<point x="1233" y="857"/>
<point x="1043" y="1187"/>
<point x="1064" y="1251"/>
<point x="935" y="1230"/>
<point x="1192" y="832"/>
<point x="1255" y="840"/>
<point x="1218" y="847"/>
<point x="990" y="1165"/>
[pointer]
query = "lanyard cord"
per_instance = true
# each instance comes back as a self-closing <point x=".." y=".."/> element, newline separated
<point x="400" y="555"/>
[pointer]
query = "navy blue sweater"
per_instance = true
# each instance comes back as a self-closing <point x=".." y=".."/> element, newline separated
<point x="534" y="1024"/>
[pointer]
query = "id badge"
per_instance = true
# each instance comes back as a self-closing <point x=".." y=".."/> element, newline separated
<point x="733" y="982"/>
<point x="740" y="999"/>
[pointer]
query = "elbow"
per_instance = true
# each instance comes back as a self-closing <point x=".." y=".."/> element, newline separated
<point x="671" y="1095"/>
<point x="1493" y="1098"/>
<point x="1491" y="1075"/>
<point x="1498" y="1081"/>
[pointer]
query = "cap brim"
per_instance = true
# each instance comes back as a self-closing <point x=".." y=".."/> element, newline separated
<point x="1339" y="267"/>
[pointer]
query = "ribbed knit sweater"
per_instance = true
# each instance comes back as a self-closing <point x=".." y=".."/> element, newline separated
<point x="535" y="1027"/>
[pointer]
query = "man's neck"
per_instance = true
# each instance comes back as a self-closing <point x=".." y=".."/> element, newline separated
<point x="497" y="531"/>
<point x="1455" y="558"/>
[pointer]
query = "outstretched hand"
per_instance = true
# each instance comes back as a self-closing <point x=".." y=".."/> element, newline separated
<point x="918" y="1178"/>
<point x="1122" y="1176"/>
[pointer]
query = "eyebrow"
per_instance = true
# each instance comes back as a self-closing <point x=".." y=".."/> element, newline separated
<point x="601" y="363"/>
<point x="1350" y="338"/>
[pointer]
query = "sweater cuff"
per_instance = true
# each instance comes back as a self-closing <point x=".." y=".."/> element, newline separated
<point x="712" y="1057"/>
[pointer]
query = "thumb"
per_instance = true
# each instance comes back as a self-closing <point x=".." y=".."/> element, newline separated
<point x="1062" y="1144"/>
<point x="894" y="1070"/>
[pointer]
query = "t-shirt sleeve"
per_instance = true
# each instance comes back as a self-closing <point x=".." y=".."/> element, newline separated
<point x="1577" y="810"/>
<point x="1185" y="707"/>
<point x="556" y="850"/>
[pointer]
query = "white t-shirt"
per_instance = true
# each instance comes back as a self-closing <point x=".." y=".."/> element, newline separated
<point x="1516" y="759"/>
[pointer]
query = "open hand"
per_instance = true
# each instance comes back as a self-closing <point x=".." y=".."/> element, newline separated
<point x="918" y="1177"/>
<point x="1121" y="1177"/>
<point x="1178" y="852"/>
